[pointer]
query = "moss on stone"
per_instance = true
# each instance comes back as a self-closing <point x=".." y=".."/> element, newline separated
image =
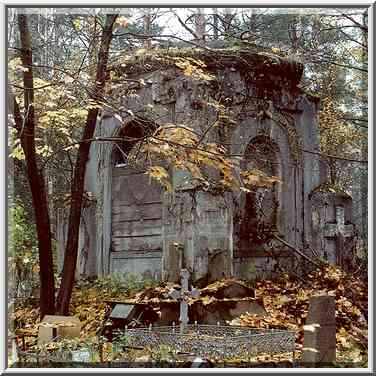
<point x="240" y="57"/>
<point x="313" y="97"/>
<point x="331" y="188"/>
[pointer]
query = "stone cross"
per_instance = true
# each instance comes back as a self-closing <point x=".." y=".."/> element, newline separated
<point x="339" y="231"/>
<point x="183" y="295"/>
<point x="319" y="346"/>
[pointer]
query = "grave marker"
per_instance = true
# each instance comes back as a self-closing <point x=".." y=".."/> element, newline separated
<point x="53" y="327"/>
<point x="123" y="311"/>
<point x="339" y="231"/>
<point x="183" y="295"/>
<point x="320" y="331"/>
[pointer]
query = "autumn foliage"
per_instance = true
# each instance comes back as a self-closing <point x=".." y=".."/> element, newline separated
<point x="285" y="300"/>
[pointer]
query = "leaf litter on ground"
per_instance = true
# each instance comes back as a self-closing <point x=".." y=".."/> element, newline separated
<point x="285" y="301"/>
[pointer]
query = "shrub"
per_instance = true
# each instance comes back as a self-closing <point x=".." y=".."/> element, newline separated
<point x="23" y="253"/>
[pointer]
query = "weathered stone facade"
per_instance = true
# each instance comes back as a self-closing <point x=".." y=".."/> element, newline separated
<point x="133" y="226"/>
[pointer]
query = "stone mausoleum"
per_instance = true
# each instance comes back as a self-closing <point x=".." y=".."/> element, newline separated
<point x="131" y="225"/>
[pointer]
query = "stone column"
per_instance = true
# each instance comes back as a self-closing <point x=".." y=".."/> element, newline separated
<point x="320" y="331"/>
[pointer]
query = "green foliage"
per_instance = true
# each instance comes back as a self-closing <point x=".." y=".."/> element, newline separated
<point x="111" y="285"/>
<point x="61" y="350"/>
<point x="164" y="355"/>
<point x="23" y="251"/>
<point x="23" y="240"/>
<point x="134" y="284"/>
<point x="119" y="343"/>
<point x="122" y="338"/>
<point x="118" y="284"/>
<point x="23" y="255"/>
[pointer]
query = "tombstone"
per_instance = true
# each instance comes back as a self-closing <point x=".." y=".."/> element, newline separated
<point x="332" y="232"/>
<point x="219" y="265"/>
<point x="123" y="311"/>
<point x="183" y="295"/>
<point x="127" y="314"/>
<point x="339" y="232"/>
<point x="53" y="327"/>
<point x="229" y="289"/>
<point x="319" y="345"/>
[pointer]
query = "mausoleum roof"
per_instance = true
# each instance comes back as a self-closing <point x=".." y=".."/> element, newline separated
<point x="238" y="57"/>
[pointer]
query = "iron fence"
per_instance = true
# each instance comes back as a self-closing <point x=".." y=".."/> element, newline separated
<point x="213" y="340"/>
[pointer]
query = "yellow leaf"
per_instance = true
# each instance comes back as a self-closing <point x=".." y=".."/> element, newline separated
<point x="122" y="21"/>
<point x="77" y="23"/>
<point x="159" y="173"/>
<point x="36" y="268"/>
<point x="18" y="153"/>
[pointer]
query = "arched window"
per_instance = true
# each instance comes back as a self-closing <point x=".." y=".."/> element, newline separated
<point x="131" y="133"/>
<point x="258" y="211"/>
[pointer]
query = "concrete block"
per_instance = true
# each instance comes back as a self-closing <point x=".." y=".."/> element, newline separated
<point x="58" y="326"/>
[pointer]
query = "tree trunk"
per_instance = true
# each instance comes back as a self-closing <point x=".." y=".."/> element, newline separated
<point x="227" y="20"/>
<point x="26" y="128"/>
<point x="364" y="150"/>
<point x="147" y="28"/>
<point x="200" y="25"/>
<point x="77" y="190"/>
<point x="215" y="23"/>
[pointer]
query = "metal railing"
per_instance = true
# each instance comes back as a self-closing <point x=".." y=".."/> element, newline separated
<point x="213" y="340"/>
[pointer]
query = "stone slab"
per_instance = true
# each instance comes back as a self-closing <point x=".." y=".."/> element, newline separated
<point x="122" y="311"/>
<point x="247" y="306"/>
<point x="219" y="265"/>
<point x="61" y="326"/>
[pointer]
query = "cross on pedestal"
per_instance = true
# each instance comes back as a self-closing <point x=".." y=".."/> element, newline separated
<point x="183" y="295"/>
<point x="339" y="231"/>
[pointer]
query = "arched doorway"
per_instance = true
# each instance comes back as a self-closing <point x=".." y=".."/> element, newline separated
<point x="258" y="213"/>
<point x="136" y="235"/>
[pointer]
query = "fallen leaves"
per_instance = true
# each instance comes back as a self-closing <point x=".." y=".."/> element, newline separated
<point x="286" y="303"/>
